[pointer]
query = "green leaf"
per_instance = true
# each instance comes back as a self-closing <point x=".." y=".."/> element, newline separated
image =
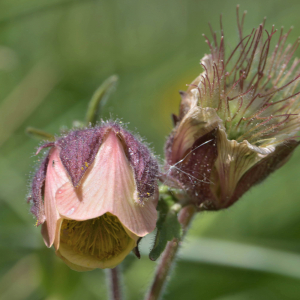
<point x="168" y="226"/>
<point x="99" y="98"/>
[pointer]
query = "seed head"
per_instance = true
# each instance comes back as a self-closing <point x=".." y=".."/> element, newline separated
<point x="239" y="118"/>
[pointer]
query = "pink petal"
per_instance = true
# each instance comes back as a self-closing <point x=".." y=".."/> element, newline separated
<point x="108" y="186"/>
<point x="44" y="232"/>
<point x="56" y="242"/>
<point x="55" y="178"/>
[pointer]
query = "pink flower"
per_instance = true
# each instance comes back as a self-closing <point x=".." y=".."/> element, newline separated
<point x="95" y="195"/>
<point x="238" y="120"/>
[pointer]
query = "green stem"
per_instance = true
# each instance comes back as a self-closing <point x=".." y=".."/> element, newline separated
<point x="169" y="255"/>
<point x="114" y="278"/>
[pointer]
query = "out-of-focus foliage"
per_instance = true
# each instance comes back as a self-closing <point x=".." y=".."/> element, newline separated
<point x="53" y="56"/>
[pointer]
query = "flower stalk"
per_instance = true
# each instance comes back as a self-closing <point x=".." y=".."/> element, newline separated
<point x="167" y="260"/>
<point x="114" y="283"/>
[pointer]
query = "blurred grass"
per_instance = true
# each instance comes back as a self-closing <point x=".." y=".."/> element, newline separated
<point x="53" y="56"/>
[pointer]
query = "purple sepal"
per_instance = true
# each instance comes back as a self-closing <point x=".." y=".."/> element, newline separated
<point x="47" y="145"/>
<point x="136" y="250"/>
<point x="194" y="169"/>
<point x="38" y="182"/>
<point x="78" y="151"/>
<point x="143" y="163"/>
<point x="175" y="119"/>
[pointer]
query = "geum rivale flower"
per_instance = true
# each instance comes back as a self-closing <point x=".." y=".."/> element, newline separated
<point x="95" y="194"/>
<point x="238" y="120"/>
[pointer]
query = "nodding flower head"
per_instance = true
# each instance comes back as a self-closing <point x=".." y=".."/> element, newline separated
<point x="95" y="194"/>
<point x="238" y="120"/>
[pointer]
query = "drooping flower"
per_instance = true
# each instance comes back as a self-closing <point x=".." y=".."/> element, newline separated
<point x="238" y="120"/>
<point x="95" y="195"/>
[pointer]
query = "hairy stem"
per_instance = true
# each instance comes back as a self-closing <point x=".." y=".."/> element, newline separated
<point x="114" y="277"/>
<point x="168" y="257"/>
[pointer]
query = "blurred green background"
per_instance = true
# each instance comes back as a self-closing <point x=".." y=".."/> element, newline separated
<point x="53" y="55"/>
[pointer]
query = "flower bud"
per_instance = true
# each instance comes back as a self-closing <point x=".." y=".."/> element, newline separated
<point x="238" y="120"/>
<point x="95" y="195"/>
